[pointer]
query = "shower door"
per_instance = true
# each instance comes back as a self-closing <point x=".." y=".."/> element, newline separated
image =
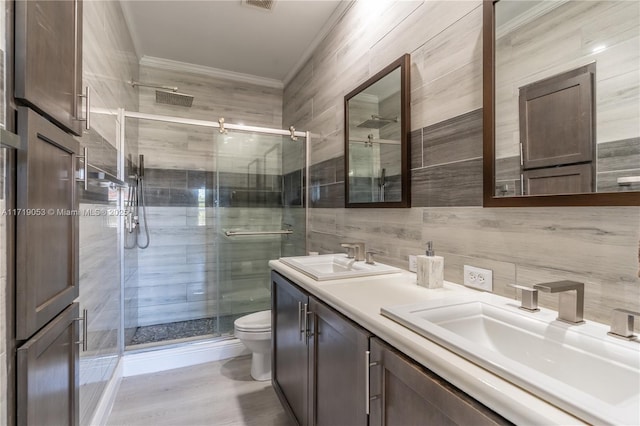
<point x="259" y="216"/>
<point x="202" y="192"/>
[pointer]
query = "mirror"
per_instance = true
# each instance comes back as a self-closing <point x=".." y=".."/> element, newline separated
<point x="376" y="147"/>
<point x="561" y="103"/>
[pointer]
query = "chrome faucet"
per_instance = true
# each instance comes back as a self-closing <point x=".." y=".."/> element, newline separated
<point x="571" y="306"/>
<point x="622" y="324"/>
<point x="529" y="299"/>
<point x="354" y="250"/>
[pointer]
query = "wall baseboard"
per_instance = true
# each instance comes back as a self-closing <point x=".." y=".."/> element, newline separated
<point x="181" y="356"/>
<point x="108" y="398"/>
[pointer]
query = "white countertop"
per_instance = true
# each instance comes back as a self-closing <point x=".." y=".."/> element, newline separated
<point x="360" y="299"/>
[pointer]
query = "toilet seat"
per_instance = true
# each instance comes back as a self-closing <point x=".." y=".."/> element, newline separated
<point x="257" y="322"/>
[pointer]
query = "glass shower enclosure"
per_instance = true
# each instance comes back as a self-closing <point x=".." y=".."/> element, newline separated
<point x="220" y="201"/>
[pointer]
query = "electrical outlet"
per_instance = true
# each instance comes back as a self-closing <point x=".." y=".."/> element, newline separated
<point x="413" y="263"/>
<point x="479" y="278"/>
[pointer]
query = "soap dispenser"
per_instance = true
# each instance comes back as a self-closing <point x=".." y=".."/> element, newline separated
<point x="430" y="271"/>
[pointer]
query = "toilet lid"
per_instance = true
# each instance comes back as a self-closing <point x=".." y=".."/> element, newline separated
<point x="259" y="321"/>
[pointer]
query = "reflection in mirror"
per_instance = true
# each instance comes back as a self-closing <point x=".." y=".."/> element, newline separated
<point x="567" y="97"/>
<point x="376" y="124"/>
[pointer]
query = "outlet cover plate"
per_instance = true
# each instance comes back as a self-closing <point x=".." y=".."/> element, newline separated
<point x="413" y="263"/>
<point x="479" y="278"/>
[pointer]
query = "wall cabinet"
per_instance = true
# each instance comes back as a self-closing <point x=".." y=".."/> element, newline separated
<point x="47" y="374"/>
<point x="327" y="370"/>
<point x="48" y="59"/>
<point x="47" y="234"/>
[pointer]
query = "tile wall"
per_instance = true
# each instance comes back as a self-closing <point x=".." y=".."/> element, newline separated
<point x="597" y="245"/>
<point x="200" y="183"/>
<point x="582" y="34"/>
<point x="109" y="62"/>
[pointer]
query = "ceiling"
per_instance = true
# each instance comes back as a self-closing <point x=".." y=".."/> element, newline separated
<point x="230" y="35"/>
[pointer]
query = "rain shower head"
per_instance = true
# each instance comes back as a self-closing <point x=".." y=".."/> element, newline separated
<point x="174" y="98"/>
<point x="167" y="95"/>
<point x="377" y="122"/>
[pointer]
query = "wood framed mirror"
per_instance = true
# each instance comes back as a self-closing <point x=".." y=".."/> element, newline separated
<point x="377" y="122"/>
<point x="561" y="103"/>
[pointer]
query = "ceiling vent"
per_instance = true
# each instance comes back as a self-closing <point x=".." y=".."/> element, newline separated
<point x="260" y="4"/>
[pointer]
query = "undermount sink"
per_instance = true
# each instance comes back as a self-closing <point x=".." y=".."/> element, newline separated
<point x="578" y="368"/>
<point x="335" y="266"/>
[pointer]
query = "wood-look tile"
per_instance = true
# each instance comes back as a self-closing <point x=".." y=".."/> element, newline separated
<point x="618" y="155"/>
<point x="564" y="40"/>
<point x="453" y="184"/>
<point x="566" y="238"/>
<point x="220" y="392"/>
<point x="608" y="181"/>
<point x="325" y="196"/>
<point x="507" y="168"/>
<point x="601" y="296"/>
<point x="455" y="139"/>
<point x="415" y="142"/>
<point x="413" y="32"/>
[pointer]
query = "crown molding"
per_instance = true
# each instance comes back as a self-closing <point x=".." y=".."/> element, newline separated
<point x="524" y="18"/>
<point x="169" y="64"/>
<point x="337" y="14"/>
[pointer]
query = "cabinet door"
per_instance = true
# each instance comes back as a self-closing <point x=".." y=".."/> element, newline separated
<point x="46" y="226"/>
<point x="290" y="368"/>
<point x="556" y="119"/>
<point x="572" y="179"/>
<point x="47" y="373"/>
<point x="48" y="59"/>
<point x="338" y="358"/>
<point x="404" y="394"/>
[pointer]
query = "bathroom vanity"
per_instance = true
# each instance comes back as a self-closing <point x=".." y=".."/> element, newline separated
<point x="338" y="360"/>
<point x="328" y="370"/>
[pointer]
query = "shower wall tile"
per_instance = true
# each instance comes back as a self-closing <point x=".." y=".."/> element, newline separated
<point x="99" y="272"/>
<point x="191" y="147"/>
<point x="596" y="244"/>
<point x="109" y="63"/>
<point x="192" y="265"/>
<point x="162" y="294"/>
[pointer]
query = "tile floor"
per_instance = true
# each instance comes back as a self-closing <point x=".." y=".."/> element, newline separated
<point x="215" y="393"/>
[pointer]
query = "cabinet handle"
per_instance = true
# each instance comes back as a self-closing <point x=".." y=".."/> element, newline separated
<point x="367" y="381"/>
<point x="300" y="329"/>
<point x="85" y="170"/>
<point x="87" y="99"/>
<point x="306" y="314"/>
<point x="85" y="320"/>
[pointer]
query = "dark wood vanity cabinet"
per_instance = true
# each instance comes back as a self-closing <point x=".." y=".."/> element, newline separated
<point x="318" y="362"/>
<point x="289" y="343"/>
<point x="329" y="371"/>
<point x="338" y="362"/>
<point x="405" y="393"/>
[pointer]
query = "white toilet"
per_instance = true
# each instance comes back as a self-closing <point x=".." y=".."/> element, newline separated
<point x="254" y="330"/>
